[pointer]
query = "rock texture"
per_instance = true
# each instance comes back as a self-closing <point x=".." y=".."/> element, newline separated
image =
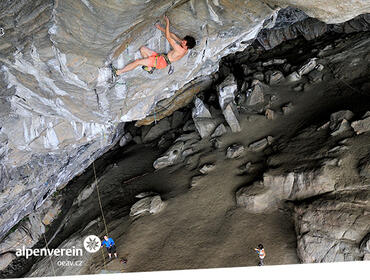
<point x="59" y="111"/>
<point x="151" y="204"/>
<point x="332" y="227"/>
<point x="269" y="194"/>
<point x="331" y="11"/>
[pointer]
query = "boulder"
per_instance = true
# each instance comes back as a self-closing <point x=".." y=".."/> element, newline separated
<point x="140" y="207"/>
<point x="308" y="67"/>
<point x="234" y="151"/>
<point x="275" y="61"/>
<point x="156" y="205"/>
<point x="226" y="91"/>
<point x="203" y="119"/>
<point x="324" y="126"/>
<point x="125" y="139"/>
<point x="287" y="67"/>
<point x="361" y="126"/>
<point x="219" y="131"/>
<point x="274" y="77"/>
<point x="299" y="87"/>
<point x="157" y="130"/>
<point x="245" y="168"/>
<point x="333" y="228"/>
<point x="287" y="108"/>
<point x="207" y="168"/>
<point x="293" y="77"/>
<point x="151" y="204"/>
<point x="319" y="67"/>
<point x="226" y="96"/>
<point x="343" y="127"/>
<point x="188" y="136"/>
<point x="192" y="162"/>
<point x="172" y="156"/>
<point x="337" y="118"/>
<point x="271" y="193"/>
<point x="231" y="116"/>
<point x="255" y="95"/>
<point x="270" y="114"/>
<point x="216" y="142"/>
<point x="315" y="76"/>
<point x="145" y="194"/>
<point x="259" y="76"/>
<point x="259" y="145"/>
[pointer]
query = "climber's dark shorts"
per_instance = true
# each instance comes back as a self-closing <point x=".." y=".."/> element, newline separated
<point x="111" y="250"/>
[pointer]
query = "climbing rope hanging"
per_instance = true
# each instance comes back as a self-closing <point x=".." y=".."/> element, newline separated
<point x="99" y="199"/>
<point x="51" y="261"/>
<point x="101" y="209"/>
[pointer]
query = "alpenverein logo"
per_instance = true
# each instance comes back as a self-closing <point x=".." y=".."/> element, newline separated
<point x="92" y="243"/>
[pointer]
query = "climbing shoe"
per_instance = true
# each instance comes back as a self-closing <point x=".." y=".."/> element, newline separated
<point x="171" y="70"/>
<point x="146" y="68"/>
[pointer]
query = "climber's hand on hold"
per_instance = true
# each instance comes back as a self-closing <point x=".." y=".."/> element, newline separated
<point x="166" y="19"/>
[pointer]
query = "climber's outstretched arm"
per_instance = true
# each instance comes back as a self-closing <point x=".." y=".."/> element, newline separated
<point x="170" y="40"/>
<point x="176" y="38"/>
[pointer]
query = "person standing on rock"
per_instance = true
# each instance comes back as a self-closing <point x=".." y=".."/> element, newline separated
<point x="110" y="245"/>
<point x="152" y="60"/>
<point x="261" y="254"/>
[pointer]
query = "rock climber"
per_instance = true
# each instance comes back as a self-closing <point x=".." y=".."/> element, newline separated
<point x="152" y="60"/>
<point x="261" y="254"/>
<point x="110" y="245"/>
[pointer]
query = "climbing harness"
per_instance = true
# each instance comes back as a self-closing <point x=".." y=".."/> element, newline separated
<point x="2" y="33"/>
<point x="171" y="69"/>
<point x="164" y="55"/>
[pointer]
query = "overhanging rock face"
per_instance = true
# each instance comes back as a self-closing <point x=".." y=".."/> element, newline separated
<point x="58" y="110"/>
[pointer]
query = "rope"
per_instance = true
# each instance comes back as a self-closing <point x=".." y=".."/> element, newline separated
<point x="102" y="254"/>
<point x="102" y="213"/>
<point x="100" y="204"/>
<point x="47" y="247"/>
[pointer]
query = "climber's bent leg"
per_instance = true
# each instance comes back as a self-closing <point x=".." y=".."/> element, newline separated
<point x="146" y="52"/>
<point x="133" y="65"/>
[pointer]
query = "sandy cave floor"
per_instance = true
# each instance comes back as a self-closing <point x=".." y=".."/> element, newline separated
<point x="202" y="228"/>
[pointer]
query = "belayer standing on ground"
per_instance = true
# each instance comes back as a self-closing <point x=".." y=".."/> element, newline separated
<point x="152" y="60"/>
<point x="110" y="245"/>
<point x="261" y="254"/>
